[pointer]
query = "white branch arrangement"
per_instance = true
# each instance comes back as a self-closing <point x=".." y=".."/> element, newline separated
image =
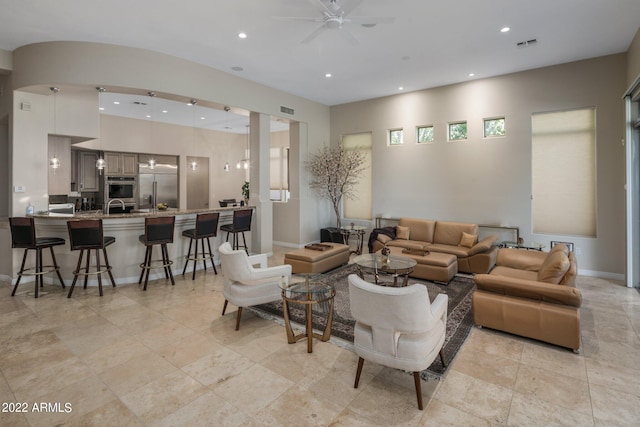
<point x="335" y="171"/>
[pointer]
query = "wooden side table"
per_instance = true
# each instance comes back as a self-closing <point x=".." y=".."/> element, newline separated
<point x="308" y="293"/>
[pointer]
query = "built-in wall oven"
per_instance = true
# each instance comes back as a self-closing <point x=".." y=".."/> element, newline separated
<point x="123" y="188"/>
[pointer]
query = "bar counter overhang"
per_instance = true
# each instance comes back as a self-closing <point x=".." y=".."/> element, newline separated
<point x="127" y="253"/>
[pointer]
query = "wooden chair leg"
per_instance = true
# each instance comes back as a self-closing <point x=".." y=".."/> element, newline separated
<point x="55" y="265"/>
<point x="24" y="260"/>
<point x="75" y="273"/>
<point x="224" y="307"/>
<point x="238" y="318"/>
<point x="195" y="262"/>
<point x="106" y="263"/>
<point x="246" y="248"/>
<point x="213" y="264"/>
<point x="98" y="270"/>
<point x="146" y="276"/>
<point x="165" y="256"/>
<point x="38" y="269"/>
<point x="358" y="372"/>
<point x="416" y="380"/>
<point x="145" y="264"/>
<point x="86" y="269"/>
<point x="186" y="261"/>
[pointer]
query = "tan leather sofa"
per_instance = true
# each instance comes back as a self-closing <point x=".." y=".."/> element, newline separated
<point x="455" y="238"/>
<point x="532" y="294"/>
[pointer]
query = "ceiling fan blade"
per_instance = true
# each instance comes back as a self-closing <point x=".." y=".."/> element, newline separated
<point x="345" y="7"/>
<point x="350" y="37"/>
<point x="298" y="18"/>
<point x="314" y="34"/>
<point x="321" y="7"/>
<point x="371" y="20"/>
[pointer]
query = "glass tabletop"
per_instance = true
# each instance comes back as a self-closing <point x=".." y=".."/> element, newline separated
<point x="353" y="228"/>
<point x="308" y="283"/>
<point x="395" y="263"/>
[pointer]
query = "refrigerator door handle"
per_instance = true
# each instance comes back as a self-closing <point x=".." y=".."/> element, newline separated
<point x="155" y="194"/>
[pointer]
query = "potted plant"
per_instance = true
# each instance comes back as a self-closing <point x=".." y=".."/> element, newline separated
<point x="335" y="172"/>
<point x="245" y="192"/>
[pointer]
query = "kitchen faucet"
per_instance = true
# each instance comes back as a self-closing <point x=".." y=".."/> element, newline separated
<point x="115" y="200"/>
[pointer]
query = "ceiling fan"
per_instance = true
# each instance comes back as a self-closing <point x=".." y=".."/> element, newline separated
<point x="334" y="17"/>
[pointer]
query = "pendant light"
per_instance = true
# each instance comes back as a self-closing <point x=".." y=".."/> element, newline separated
<point x="244" y="163"/>
<point x="152" y="161"/>
<point x="193" y="165"/>
<point x="54" y="162"/>
<point x="101" y="162"/>
<point x="226" y="127"/>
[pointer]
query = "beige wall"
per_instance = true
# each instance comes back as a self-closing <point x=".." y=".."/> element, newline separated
<point x="488" y="181"/>
<point x="87" y="65"/>
<point x="633" y="60"/>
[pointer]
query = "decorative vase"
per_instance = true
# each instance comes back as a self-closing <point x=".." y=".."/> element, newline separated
<point x="385" y="251"/>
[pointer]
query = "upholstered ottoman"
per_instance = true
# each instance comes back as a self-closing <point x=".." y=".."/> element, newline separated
<point x="434" y="266"/>
<point x="311" y="261"/>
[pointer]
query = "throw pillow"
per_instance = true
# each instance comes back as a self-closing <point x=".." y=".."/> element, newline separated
<point x="467" y="240"/>
<point x="554" y="267"/>
<point x="383" y="238"/>
<point x="402" y="232"/>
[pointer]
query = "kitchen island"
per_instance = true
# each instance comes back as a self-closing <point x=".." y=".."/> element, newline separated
<point x="127" y="253"/>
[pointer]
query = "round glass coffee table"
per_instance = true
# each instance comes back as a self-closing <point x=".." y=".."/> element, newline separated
<point x="312" y="291"/>
<point x="393" y="265"/>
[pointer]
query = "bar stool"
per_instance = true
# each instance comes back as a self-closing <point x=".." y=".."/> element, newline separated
<point x="157" y="231"/>
<point x="241" y="223"/>
<point x="23" y="236"/>
<point x="206" y="227"/>
<point x="84" y="235"/>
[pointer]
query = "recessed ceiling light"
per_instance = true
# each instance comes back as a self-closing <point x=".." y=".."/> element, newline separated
<point x="101" y="108"/>
<point x="242" y="35"/>
<point x="505" y="29"/>
<point x="472" y="74"/>
<point x="401" y="88"/>
<point x="327" y="75"/>
<point x="148" y="116"/>
<point x="202" y="118"/>
<point x="116" y="102"/>
<point x="369" y="25"/>
<point x="164" y="111"/>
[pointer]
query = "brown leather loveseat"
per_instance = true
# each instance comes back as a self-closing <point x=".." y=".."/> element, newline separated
<point x="532" y="294"/>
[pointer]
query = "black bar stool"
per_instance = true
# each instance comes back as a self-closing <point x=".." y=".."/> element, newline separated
<point x="206" y="227"/>
<point x="157" y="231"/>
<point x="241" y="223"/>
<point x="84" y="235"/>
<point x="23" y="235"/>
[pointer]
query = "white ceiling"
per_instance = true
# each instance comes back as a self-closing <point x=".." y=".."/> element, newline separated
<point x="428" y="44"/>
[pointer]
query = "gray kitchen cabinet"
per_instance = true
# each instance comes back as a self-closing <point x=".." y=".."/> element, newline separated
<point x="87" y="171"/>
<point x="122" y="164"/>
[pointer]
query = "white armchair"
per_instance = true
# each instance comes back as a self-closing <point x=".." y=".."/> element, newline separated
<point x="245" y="285"/>
<point x="397" y="327"/>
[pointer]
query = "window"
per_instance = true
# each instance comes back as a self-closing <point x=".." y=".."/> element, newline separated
<point x="279" y="170"/>
<point x="564" y="172"/>
<point x="395" y="137"/>
<point x="457" y="131"/>
<point x="494" y="127"/>
<point x="425" y="134"/>
<point x="361" y="207"/>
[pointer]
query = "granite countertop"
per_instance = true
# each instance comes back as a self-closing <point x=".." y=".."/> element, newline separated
<point x="98" y="214"/>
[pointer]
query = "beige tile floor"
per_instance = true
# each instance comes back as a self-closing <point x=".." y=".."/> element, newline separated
<point x="167" y="357"/>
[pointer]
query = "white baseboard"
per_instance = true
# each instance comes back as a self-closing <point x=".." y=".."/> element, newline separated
<point x="602" y="274"/>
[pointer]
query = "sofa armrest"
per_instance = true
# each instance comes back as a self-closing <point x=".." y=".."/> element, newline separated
<point x="529" y="289"/>
<point x="521" y="259"/>
<point x="483" y="245"/>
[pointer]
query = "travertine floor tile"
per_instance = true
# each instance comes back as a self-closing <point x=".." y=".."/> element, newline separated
<point x="167" y="357"/>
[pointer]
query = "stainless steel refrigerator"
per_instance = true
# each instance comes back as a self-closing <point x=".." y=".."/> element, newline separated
<point x="158" y="182"/>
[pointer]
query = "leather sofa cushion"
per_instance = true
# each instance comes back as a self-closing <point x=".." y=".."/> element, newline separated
<point x="468" y="240"/>
<point x="516" y="273"/>
<point x="554" y="267"/>
<point x="520" y="259"/>
<point x="383" y="238"/>
<point x="403" y="233"/>
<point x="409" y="244"/>
<point x="459" y="251"/>
<point x="529" y="289"/>
<point x="450" y="233"/>
<point x="421" y="229"/>
<point x="560" y="247"/>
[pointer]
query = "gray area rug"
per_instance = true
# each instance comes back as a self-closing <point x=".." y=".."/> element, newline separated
<point x="459" y="315"/>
